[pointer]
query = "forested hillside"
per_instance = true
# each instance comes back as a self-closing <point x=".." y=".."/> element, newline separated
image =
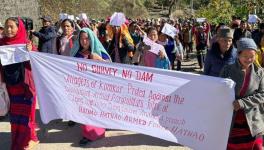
<point x="154" y="8"/>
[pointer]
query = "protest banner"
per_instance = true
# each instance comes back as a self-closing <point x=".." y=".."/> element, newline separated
<point x="11" y="54"/>
<point x="189" y="109"/>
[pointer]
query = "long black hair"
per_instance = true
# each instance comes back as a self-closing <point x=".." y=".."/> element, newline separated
<point x="80" y="48"/>
<point x="69" y="20"/>
<point x="259" y="41"/>
<point x="15" y="19"/>
<point x="151" y="29"/>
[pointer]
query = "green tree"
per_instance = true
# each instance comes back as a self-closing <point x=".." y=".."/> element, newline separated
<point x="131" y="8"/>
<point x="93" y="8"/>
<point x="244" y="7"/>
<point x="149" y="3"/>
<point x="199" y="4"/>
<point x="217" y="11"/>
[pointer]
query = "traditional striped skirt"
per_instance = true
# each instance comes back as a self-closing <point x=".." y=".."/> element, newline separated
<point x="22" y="117"/>
<point x="240" y="137"/>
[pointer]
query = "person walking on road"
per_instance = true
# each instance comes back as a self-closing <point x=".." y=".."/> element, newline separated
<point x="88" y="46"/>
<point x="21" y="89"/>
<point x="222" y="53"/>
<point x="248" y="121"/>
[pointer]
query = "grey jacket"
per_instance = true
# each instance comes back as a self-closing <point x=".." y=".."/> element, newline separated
<point x="253" y="101"/>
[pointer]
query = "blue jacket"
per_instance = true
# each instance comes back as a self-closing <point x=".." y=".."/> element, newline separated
<point x="214" y="62"/>
<point x="162" y="63"/>
<point x="47" y="39"/>
<point x="169" y="47"/>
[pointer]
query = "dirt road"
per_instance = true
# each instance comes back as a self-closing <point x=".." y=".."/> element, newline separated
<point x="58" y="136"/>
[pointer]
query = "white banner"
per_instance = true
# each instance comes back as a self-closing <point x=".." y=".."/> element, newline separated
<point x="170" y="30"/>
<point x="154" y="47"/>
<point x="252" y="18"/>
<point x="200" y="20"/>
<point x="11" y="54"/>
<point x="189" y="109"/>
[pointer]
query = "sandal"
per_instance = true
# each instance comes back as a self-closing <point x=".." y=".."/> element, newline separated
<point x="31" y="145"/>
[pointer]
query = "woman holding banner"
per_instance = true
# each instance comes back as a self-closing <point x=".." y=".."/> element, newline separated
<point x="145" y="57"/>
<point x="21" y="89"/>
<point x="248" y="121"/>
<point x="88" y="46"/>
<point x="64" y="43"/>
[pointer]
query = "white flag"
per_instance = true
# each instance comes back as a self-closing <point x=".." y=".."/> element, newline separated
<point x="169" y="30"/>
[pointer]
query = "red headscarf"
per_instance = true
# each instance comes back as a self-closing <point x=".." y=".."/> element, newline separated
<point x="19" y="38"/>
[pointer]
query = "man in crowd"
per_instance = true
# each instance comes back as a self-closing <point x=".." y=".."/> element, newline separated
<point x="47" y="36"/>
<point x="241" y="32"/>
<point x="221" y="53"/>
<point x="256" y="35"/>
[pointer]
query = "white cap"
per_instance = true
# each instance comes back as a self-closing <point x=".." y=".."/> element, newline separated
<point x="71" y="17"/>
<point x="63" y="16"/>
<point x="83" y="16"/>
<point x="117" y="19"/>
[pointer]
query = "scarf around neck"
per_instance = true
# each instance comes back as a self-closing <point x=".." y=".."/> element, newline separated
<point x="95" y="45"/>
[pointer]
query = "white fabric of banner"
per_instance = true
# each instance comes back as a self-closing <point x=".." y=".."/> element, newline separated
<point x="11" y="54"/>
<point x="193" y="110"/>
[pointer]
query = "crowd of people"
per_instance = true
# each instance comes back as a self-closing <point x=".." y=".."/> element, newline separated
<point x="234" y="50"/>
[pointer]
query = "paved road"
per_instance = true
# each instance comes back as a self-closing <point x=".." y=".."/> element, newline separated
<point x="58" y="136"/>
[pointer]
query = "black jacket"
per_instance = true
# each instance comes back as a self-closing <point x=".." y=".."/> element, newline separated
<point x="47" y="39"/>
<point x="214" y="62"/>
